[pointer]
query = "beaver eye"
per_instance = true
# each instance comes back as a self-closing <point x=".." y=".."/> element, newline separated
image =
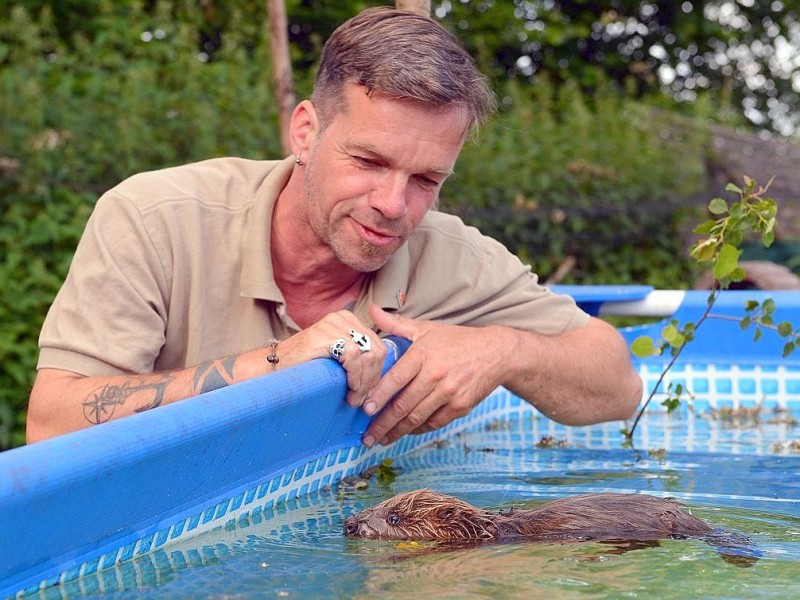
<point x="393" y="519"/>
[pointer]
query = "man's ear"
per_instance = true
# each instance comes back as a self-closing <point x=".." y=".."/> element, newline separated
<point x="303" y="128"/>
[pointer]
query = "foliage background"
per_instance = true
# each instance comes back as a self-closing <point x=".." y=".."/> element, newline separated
<point x="91" y="91"/>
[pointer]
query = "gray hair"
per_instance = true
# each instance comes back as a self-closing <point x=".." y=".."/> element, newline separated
<point x="400" y="55"/>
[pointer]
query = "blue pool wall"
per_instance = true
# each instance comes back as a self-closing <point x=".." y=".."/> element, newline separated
<point x="86" y="501"/>
<point x="725" y="367"/>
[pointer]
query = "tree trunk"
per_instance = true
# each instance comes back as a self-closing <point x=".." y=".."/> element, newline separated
<point x="422" y="7"/>
<point x="282" y="66"/>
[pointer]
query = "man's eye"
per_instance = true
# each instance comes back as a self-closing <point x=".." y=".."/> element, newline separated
<point x="393" y="520"/>
<point x="367" y="162"/>
<point x="428" y="183"/>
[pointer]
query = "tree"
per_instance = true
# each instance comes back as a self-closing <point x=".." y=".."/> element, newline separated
<point x="749" y="49"/>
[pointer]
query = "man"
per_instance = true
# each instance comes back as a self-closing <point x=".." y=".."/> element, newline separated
<point x="197" y="277"/>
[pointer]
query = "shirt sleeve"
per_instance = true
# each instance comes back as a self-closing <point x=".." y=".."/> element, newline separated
<point x="109" y="316"/>
<point x="460" y="276"/>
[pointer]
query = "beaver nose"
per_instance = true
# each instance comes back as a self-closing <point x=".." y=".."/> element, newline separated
<point x="351" y="527"/>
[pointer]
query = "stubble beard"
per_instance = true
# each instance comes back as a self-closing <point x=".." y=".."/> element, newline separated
<point x="364" y="258"/>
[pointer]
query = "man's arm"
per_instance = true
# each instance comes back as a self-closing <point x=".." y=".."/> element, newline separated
<point x="579" y="377"/>
<point x="63" y="401"/>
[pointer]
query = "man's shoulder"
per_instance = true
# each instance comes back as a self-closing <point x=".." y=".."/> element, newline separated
<point x="450" y="231"/>
<point x="224" y="180"/>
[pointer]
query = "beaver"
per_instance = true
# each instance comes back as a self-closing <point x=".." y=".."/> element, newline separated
<point x="425" y="515"/>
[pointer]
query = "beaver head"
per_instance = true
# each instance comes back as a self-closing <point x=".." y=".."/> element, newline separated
<point x="422" y="515"/>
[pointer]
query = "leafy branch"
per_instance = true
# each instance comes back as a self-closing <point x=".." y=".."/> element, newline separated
<point x="719" y="251"/>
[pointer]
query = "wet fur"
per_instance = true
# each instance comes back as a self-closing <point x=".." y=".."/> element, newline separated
<point x="425" y="515"/>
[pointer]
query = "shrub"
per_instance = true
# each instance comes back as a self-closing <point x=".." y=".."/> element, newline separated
<point x="602" y="179"/>
<point x="77" y="118"/>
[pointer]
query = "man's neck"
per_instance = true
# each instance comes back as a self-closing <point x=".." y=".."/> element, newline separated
<point x="312" y="280"/>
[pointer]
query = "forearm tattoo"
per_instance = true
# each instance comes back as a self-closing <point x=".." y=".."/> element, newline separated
<point x="213" y="374"/>
<point x="99" y="406"/>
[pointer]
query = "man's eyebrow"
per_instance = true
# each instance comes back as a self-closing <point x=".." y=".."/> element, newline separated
<point x="372" y="151"/>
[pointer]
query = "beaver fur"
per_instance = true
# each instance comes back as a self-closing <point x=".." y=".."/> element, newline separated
<point x="425" y="515"/>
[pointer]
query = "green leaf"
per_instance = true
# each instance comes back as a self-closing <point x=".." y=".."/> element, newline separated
<point x="733" y="188"/>
<point x="674" y="337"/>
<point x="788" y="348"/>
<point x="704" y="251"/>
<point x="643" y="346"/>
<point x="718" y="206"/>
<point x="387" y="473"/>
<point x="727" y="261"/>
<point x="671" y="403"/>
<point x="751" y="305"/>
<point x="785" y="329"/>
<point x="737" y="275"/>
<point x="705" y="228"/>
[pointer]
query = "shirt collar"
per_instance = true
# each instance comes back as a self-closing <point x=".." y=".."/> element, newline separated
<point x="258" y="280"/>
<point x="387" y="287"/>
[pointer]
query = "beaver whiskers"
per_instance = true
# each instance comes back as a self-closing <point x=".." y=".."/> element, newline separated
<point x="425" y="515"/>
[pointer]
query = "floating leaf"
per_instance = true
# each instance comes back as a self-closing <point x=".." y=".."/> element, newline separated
<point x="387" y="473"/>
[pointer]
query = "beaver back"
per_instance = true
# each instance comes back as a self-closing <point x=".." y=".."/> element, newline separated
<point x="604" y="516"/>
<point x="426" y="515"/>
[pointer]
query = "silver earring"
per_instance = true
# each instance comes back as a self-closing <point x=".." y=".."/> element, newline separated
<point x="298" y="160"/>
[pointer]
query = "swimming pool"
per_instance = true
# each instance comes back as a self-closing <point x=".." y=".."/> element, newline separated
<point x="169" y="505"/>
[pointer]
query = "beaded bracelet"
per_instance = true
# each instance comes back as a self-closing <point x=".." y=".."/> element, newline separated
<point x="273" y="358"/>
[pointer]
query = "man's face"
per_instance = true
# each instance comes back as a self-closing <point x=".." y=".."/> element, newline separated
<point x="375" y="171"/>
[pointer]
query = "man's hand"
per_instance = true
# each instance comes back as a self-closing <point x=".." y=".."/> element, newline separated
<point x="363" y="368"/>
<point x="444" y="374"/>
<point x="578" y="377"/>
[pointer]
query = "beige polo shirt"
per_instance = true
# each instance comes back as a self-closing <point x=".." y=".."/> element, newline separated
<point x="174" y="269"/>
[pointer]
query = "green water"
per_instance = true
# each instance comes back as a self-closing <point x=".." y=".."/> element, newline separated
<point x="300" y="552"/>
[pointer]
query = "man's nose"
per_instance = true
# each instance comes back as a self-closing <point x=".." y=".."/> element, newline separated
<point x="389" y="198"/>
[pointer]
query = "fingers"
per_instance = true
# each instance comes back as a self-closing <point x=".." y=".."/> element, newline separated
<point x="363" y="368"/>
<point x="439" y="378"/>
<point x="406" y="415"/>
<point x="393" y="324"/>
<point x="405" y="400"/>
<point x="402" y="416"/>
